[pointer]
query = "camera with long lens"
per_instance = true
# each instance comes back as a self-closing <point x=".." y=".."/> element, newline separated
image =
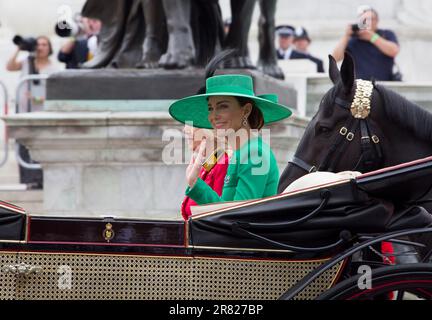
<point x="68" y="28"/>
<point x="26" y="44"/>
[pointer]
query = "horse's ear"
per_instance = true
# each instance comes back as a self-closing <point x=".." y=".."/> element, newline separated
<point x="348" y="72"/>
<point x="334" y="73"/>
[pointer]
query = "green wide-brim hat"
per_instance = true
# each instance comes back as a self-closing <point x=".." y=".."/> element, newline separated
<point x="194" y="109"/>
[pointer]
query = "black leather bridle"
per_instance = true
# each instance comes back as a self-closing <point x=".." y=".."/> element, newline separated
<point x="371" y="157"/>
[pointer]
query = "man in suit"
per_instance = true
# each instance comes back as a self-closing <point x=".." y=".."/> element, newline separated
<point x="287" y="49"/>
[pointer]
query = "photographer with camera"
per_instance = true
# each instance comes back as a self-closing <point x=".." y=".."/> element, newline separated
<point x="373" y="49"/>
<point x="32" y="95"/>
<point x="83" y="43"/>
<point x="38" y="60"/>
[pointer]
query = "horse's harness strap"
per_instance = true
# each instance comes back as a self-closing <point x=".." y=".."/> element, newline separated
<point x="343" y="103"/>
<point x="368" y="160"/>
<point x="300" y="163"/>
<point x="346" y="134"/>
<point x="348" y="138"/>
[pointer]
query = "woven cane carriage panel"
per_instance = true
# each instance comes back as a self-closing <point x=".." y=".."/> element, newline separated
<point x="106" y="277"/>
<point x="320" y="285"/>
<point x="229" y="279"/>
<point x="7" y="278"/>
<point x="143" y="277"/>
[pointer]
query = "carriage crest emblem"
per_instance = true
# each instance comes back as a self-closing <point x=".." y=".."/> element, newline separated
<point x="108" y="233"/>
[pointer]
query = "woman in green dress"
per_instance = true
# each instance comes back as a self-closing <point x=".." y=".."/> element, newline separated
<point x="231" y="108"/>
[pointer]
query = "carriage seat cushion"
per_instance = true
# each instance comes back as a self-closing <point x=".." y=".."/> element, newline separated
<point x="319" y="178"/>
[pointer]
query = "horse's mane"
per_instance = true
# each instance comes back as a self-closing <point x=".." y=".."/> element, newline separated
<point x="406" y="113"/>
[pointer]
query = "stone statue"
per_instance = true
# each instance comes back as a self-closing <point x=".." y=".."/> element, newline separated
<point x="241" y="12"/>
<point x="168" y="39"/>
<point x="179" y="33"/>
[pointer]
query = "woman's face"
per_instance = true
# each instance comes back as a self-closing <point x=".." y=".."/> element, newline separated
<point x="225" y="112"/>
<point x="42" y="48"/>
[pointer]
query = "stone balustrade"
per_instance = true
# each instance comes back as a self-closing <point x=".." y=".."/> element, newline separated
<point x="311" y="88"/>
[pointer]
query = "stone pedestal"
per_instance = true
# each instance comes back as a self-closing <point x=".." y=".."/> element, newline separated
<point x="142" y="90"/>
<point x="101" y="159"/>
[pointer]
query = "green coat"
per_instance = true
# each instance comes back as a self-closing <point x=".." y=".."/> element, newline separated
<point x="252" y="174"/>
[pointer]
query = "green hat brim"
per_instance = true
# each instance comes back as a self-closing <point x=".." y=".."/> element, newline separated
<point x="194" y="109"/>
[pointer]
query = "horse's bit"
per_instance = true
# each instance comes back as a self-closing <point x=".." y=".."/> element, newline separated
<point x="371" y="154"/>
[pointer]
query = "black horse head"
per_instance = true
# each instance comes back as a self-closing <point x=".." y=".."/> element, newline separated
<point x="395" y="130"/>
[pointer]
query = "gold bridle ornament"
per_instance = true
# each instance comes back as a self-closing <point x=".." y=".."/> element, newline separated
<point x="361" y="105"/>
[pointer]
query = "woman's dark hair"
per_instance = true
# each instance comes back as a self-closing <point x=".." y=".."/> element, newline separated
<point x="255" y="119"/>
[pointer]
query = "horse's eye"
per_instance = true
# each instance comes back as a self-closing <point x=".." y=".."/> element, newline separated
<point x="321" y="130"/>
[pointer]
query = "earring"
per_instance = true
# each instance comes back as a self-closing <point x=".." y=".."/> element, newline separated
<point x="245" y="122"/>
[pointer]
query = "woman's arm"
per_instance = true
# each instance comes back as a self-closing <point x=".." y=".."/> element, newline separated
<point x="202" y="193"/>
<point x="13" y="64"/>
<point x="251" y="180"/>
<point x="248" y="187"/>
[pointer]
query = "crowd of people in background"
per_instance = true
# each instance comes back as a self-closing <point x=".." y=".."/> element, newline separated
<point x="374" y="49"/>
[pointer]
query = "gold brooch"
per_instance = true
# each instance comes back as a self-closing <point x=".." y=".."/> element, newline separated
<point x="108" y="233"/>
<point x="212" y="160"/>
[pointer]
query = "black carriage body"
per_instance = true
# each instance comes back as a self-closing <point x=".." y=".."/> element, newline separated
<point x="160" y="263"/>
<point x="215" y="255"/>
